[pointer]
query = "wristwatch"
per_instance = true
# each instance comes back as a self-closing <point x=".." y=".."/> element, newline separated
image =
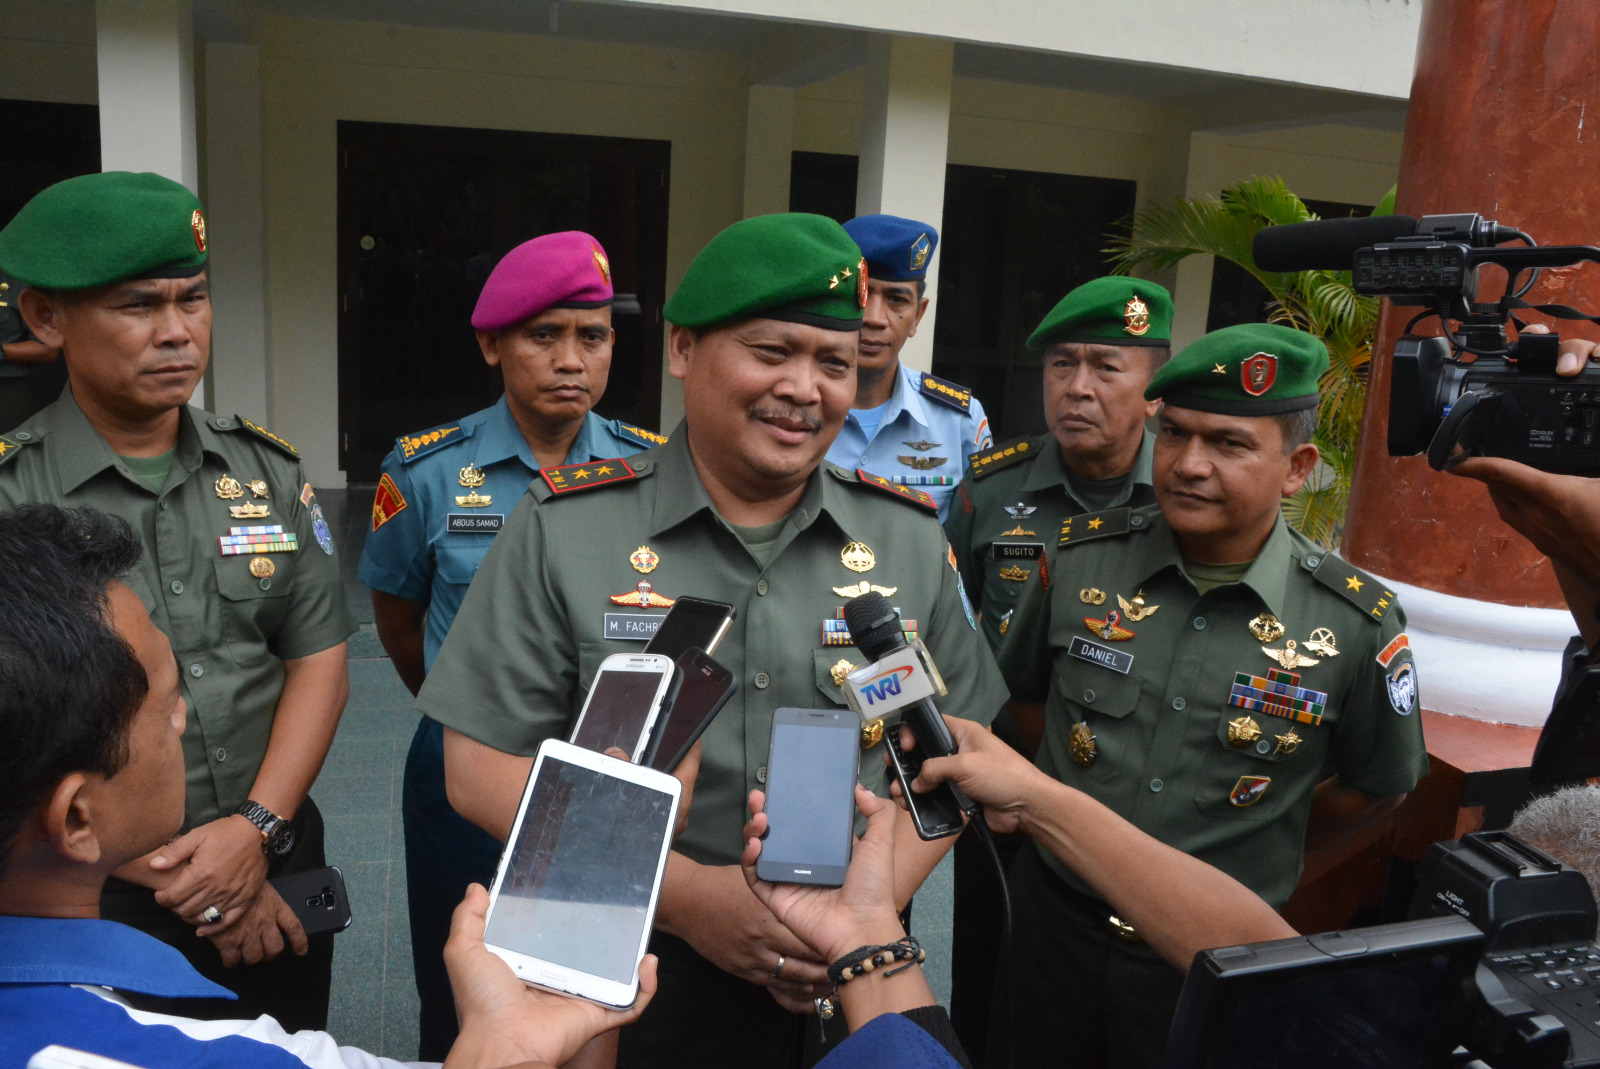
<point x="277" y="834"/>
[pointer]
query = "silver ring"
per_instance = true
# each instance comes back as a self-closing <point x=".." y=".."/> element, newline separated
<point x="212" y="915"/>
<point x="777" y="970"/>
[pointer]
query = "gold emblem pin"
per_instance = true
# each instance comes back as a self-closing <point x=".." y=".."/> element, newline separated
<point x="1243" y="731"/>
<point x="1136" y="317"/>
<point x="872" y="733"/>
<point x="228" y="488"/>
<point x="1015" y="573"/>
<point x="1018" y="532"/>
<point x="644" y="560"/>
<point x="1288" y="743"/>
<point x="474" y="500"/>
<point x="858" y="557"/>
<point x="1290" y="658"/>
<point x="262" y="567"/>
<point x="250" y="511"/>
<point x="1321" y="641"/>
<point x="1081" y="744"/>
<point x="922" y="463"/>
<point x="1266" y="628"/>
<point x="1092" y="596"/>
<point x="1136" y="609"/>
<point x="840" y="670"/>
<point x="258" y="487"/>
<point x="1110" y="628"/>
<point x="1005" y="621"/>
<point x="643" y="596"/>
<point x="862" y="587"/>
<point x="471" y="477"/>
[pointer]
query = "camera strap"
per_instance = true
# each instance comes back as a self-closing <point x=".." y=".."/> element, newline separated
<point x="1555" y="311"/>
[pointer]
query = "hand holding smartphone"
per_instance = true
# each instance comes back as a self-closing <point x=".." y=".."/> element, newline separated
<point x="624" y="700"/>
<point x="812" y="764"/>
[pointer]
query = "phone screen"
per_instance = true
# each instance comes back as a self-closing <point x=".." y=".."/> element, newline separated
<point x="618" y="710"/>
<point x="706" y="686"/>
<point x="811" y="778"/>
<point x="691" y="622"/>
<point x="578" y="883"/>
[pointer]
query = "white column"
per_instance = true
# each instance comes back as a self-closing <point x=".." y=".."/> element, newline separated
<point x="1191" y="292"/>
<point x="236" y="224"/>
<point x="768" y="149"/>
<point x="145" y="58"/>
<point x="905" y="136"/>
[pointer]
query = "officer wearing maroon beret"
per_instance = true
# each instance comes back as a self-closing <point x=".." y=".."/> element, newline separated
<point x="544" y="319"/>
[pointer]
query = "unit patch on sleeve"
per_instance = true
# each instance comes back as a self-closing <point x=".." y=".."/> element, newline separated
<point x="570" y="477"/>
<point x="387" y="502"/>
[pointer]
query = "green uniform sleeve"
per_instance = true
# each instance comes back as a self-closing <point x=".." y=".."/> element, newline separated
<point x="1024" y="653"/>
<point x="319" y="616"/>
<point x="1379" y="748"/>
<point x="962" y="656"/>
<point x="507" y="674"/>
<point x="958" y="528"/>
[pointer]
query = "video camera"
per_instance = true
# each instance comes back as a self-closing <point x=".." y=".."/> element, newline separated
<point x="1471" y="387"/>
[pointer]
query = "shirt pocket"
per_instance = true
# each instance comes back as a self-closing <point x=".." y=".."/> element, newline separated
<point x="825" y="660"/>
<point x="252" y="607"/>
<point x="457" y="562"/>
<point x="1232" y="786"/>
<point x="1105" y="700"/>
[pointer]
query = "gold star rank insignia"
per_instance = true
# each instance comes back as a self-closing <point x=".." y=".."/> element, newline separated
<point x="1354" y="583"/>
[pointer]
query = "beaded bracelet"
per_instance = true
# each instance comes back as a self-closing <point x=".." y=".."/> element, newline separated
<point x="865" y="959"/>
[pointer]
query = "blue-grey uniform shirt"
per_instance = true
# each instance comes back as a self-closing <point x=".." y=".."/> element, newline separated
<point x="430" y="529"/>
<point x="926" y="433"/>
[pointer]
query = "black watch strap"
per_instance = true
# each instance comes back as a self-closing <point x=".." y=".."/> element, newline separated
<point x="277" y="834"/>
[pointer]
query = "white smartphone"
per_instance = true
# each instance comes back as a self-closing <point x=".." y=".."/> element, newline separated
<point x="575" y="895"/>
<point x="624" y="701"/>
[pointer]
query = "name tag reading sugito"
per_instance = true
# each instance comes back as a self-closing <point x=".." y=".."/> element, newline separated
<point x="1016" y="550"/>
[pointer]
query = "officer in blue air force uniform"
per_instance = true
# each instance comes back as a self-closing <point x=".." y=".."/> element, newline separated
<point x="912" y="427"/>
<point x="544" y="318"/>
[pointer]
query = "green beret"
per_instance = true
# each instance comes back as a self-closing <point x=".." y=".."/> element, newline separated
<point x="97" y="229"/>
<point x="794" y="267"/>
<point x="1256" y="369"/>
<point x="1115" y="310"/>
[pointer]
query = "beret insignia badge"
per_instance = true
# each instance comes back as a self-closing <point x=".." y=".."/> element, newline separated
<point x="861" y="283"/>
<point x="602" y="265"/>
<point x="1258" y="373"/>
<point x="1136" y="317"/>
<point x="197" y="223"/>
<point x="919" y="252"/>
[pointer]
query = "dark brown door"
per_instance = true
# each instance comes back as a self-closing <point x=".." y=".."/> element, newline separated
<point x="425" y="212"/>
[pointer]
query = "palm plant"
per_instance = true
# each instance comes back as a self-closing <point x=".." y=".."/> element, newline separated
<point x="1319" y="302"/>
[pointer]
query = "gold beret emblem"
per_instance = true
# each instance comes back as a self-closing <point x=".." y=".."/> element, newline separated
<point x="1136" y="317"/>
<point x="197" y="223"/>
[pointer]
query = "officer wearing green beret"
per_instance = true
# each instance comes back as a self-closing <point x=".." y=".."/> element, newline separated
<point x="738" y="506"/>
<point x="1225" y="684"/>
<point x="238" y="571"/>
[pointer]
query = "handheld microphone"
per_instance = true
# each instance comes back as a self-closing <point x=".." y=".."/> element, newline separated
<point x="1326" y="244"/>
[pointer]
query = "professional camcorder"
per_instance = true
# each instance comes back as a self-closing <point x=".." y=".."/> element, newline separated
<point x="1471" y="388"/>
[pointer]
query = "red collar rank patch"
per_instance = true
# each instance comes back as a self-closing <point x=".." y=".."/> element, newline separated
<point x="904" y="493"/>
<point x="570" y="477"/>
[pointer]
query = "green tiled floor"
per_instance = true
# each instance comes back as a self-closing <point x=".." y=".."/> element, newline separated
<point x="374" y="999"/>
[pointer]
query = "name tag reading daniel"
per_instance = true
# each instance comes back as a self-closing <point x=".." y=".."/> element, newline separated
<point x="1104" y="656"/>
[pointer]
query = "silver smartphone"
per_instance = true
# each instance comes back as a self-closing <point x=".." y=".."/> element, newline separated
<point x="575" y="894"/>
<point x="624" y="701"/>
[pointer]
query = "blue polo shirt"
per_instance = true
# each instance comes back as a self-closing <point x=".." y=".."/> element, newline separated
<point x="922" y="438"/>
<point x="431" y="530"/>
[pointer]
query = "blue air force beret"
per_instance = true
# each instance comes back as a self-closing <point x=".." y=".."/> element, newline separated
<point x="97" y="229"/>
<point x="896" y="249"/>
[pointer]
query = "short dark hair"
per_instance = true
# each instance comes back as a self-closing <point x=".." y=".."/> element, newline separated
<point x="1298" y="428"/>
<point x="69" y="684"/>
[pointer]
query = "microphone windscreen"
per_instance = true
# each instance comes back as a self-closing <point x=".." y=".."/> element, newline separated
<point x="873" y="623"/>
<point x="1325" y="244"/>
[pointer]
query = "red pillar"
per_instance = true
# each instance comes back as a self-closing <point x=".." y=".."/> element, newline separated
<point x="1498" y="125"/>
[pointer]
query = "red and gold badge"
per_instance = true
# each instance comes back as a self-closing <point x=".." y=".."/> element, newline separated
<point x="387" y="502"/>
<point x="1136" y="317"/>
<point x="1258" y="373"/>
<point x="1248" y="790"/>
<point x="197" y="223"/>
<point x="861" y="283"/>
<point x="643" y="596"/>
<point x="601" y="264"/>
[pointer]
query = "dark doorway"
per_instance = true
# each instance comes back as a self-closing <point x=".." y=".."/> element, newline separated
<point x="1012" y="245"/>
<point x="425" y="212"/>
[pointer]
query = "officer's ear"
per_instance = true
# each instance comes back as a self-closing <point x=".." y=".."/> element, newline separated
<point x="489" y="345"/>
<point x="1302" y="462"/>
<point x="680" y="343"/>
<point x="43" y="313"/>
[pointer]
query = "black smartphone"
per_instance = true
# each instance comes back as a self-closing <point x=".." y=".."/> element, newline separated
<point x="812" y="764"/>
<point x="936" y="814"/>
<point x="317" y="897"/>
<point x="704" y="689"/>
<point x="691" y="623"/>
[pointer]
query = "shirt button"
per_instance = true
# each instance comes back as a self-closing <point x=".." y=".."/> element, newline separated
<point x="266" y="584"/>
<point x="1156" y="785"/>
<point x="177" y="586"/>
<point x="197" y="670"/>
<point x="1088" y="695"/>
<point x="224" y="422"/>
<point x="1179" y="704"/>
<point x="1263" y="747"/>
<point x="222" y="753"/>
<point x="761" y="680"/>
<point x="163" y="504"/>
<point x="761" y="587"/>
<point x="23" y="436"/>
<point x="1199" y="623"/>
<point x="761" y="774"/>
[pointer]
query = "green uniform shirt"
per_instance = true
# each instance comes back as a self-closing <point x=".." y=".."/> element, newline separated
<point x="534" y="626"/>
<point x="230" y="630"/>
<point x="1020" y="503"/>
<point x="1164" y="756"/>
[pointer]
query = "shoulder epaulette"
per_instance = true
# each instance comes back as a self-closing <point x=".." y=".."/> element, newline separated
<point x="9" y="447"/>
<point x="637" y="435"/>
<point x="1352" y="584"/>
<point x="899" y="490"/>
<point x="944" y="391"/>
<point x="1002" y="456"/>
<point x="239" y="423"/>
<point x="1088" y="526"/>
<point x="412" y="446"/>
<point x="570" y="478"/>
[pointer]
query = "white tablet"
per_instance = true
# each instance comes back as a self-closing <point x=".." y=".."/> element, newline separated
<point x="575" y="895"/>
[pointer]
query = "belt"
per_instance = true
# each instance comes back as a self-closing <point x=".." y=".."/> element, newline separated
<point x="1093" y="910"/>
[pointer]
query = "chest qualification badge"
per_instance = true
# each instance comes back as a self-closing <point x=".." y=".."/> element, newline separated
<point x="1266" y="628"/>
<point x="644" y="560"/>
<point x="858" y="557"/>
<point x="1136" y="609"/>
<point x="1248" y="790"/>
<point x="1108" y="628"/>
<point x="472" y="478"/>
<point x="1081" y="744"/>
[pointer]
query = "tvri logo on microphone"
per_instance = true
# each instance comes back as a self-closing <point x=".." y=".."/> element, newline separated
<point x="896" y="681"/>
<point x="885" y="684"/>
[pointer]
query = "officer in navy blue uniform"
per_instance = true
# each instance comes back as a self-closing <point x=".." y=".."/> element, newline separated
<point x="907" y="425"/>
<point x="544" y="318"/>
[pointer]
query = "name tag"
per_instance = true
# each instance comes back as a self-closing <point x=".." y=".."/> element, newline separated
<point x="474" y="522"/>
<point x="632" y="626"/>
<point x="1016" y="550"/>
<point x="1104" y="656"/>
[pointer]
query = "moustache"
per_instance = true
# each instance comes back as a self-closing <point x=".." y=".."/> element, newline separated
<point x="788" y="413"/>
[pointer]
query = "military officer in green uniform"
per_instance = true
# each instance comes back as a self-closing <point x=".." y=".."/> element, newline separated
<point x="238" y="571"/>
<point x="1226" y="685"/>
<point x="31" y="375"/>
<point x="738" y="506"/>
